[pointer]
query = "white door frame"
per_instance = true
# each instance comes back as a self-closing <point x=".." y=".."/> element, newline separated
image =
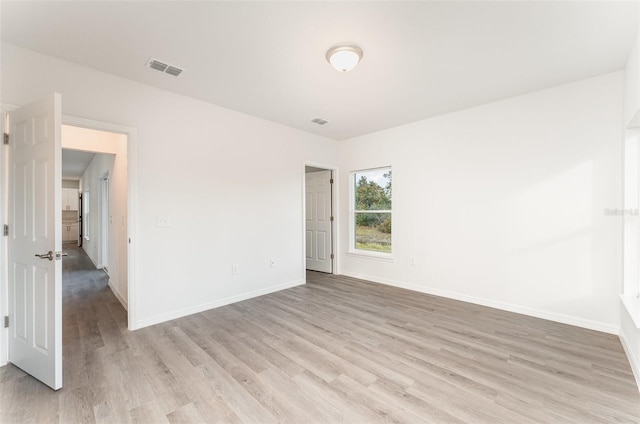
<point x="132" y="207"/>
<point x="4" y="261"/>
<point x="335" y="207"/>
<point x="104" y="222"/>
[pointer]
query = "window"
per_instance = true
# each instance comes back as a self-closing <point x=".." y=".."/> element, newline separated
<point x="371" y="218"/>
<point x="85" y="215"/>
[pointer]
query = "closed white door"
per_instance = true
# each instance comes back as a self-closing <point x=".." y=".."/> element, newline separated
<point x="35" y="240"/>
<point x="318" y="221"/>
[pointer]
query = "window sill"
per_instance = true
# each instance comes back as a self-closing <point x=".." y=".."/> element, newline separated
<point x="384" y="257"/>
<point x="632" y="305"/>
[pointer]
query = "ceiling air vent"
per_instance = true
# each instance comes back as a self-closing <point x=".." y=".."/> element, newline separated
<point x="164" y="67"/>
<point x="319" y="121"/>
<point x="172" y="70"/>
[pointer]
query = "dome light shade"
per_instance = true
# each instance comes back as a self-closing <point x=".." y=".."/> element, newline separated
<point x="344" y="58"/>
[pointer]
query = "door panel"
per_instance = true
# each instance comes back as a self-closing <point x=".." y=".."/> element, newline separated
<point x="35" y="227"/>
<point x="309" y="206"/>
<point x="20" y="302"/>
<point x="40" y="309"/>
<point x="42" y="193"/>
<point x="321" y="206"/>
<point x="309" y="244"/>
<point x="321" y="243"/>
<point x="318" y="221"/>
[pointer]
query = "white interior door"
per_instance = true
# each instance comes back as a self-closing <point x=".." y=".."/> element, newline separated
<point x="318" y="221"/>
<point x="35" y="228"/>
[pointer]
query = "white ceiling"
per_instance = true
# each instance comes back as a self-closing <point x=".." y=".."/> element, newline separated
<point x="267" y="59"/>
<point x="74" y="163"/>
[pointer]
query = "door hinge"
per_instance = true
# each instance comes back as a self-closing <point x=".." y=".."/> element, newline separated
<point x="6" y="321"/>
<point x="6" y="138"/>
<point x="332" y="256"/>
<point x="331" y="219"/>
<point x="330" y="181"/>
<point x="6" y="230"/>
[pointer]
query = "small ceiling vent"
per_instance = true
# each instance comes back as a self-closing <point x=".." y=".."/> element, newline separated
<point x="157" y="65"/>
<point x="172" y="70"/>
<point x="164" y="67"/>
<point x="319" y="121"/>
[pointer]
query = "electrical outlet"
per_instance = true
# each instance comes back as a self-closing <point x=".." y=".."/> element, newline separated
<point x="163" y="221"/>
<point x="234" y="269"/>
<point x="272" y="263"/>
<point x="412" y="261"/>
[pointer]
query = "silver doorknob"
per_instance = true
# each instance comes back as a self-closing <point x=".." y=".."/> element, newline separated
<point x="50" y="255"/>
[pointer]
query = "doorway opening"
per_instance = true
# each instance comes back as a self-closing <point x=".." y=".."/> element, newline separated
<point x="319" y="219"/>
<point x="102" y="181"/>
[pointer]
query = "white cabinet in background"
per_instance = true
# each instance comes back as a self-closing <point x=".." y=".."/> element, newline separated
<point x="70" y="231"/>
<point x="69" y="199"/>
<point x="74" y="232"/>
<point x="66" y="230"/>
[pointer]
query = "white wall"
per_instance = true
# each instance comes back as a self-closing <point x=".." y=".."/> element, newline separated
<point x="90" y="183"/>
<point x="230" y="185"/>
<point x="70" y="183"/>
<point x="89" y="140"/>
<point x="503" y="204"/>
<point x="632" y="86"/>
<point x="116" y="167"/>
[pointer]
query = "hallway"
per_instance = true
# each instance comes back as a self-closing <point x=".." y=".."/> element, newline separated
<point x="92" y="317"/>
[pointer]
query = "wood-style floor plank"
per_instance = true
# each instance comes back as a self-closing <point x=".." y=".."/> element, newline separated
<point x="335" y="350"/>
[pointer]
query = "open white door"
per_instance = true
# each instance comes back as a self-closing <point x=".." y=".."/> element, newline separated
<point x="318" y="221"/>
<point x="35" y="240"/>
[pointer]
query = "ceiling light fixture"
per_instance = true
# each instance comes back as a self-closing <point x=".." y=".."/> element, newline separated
<point x="344" y="58"/>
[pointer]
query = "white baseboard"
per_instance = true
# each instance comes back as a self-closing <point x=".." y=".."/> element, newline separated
<point x="215" y="304"/>
<point x="633" y="360"/>
<point x="118" y="295"/>
<point x="538" y="313"/>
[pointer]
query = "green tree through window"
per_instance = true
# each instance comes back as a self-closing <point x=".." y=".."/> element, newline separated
<point x="372" y="210"/>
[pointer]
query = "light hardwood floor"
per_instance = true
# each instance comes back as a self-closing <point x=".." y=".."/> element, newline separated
<point x="335" y="350"/>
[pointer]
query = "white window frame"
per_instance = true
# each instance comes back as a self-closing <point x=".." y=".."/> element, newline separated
<point x="369" y="254"/>
<point x="630" y="295"/>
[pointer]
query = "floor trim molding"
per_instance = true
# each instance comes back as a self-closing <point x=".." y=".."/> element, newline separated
<point x="118" y="295"/>
<point x="216" y="304"/>
<point x="538" y="313"/>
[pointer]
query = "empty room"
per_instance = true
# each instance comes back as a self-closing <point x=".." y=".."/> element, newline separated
<point x="320" y="212"/>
